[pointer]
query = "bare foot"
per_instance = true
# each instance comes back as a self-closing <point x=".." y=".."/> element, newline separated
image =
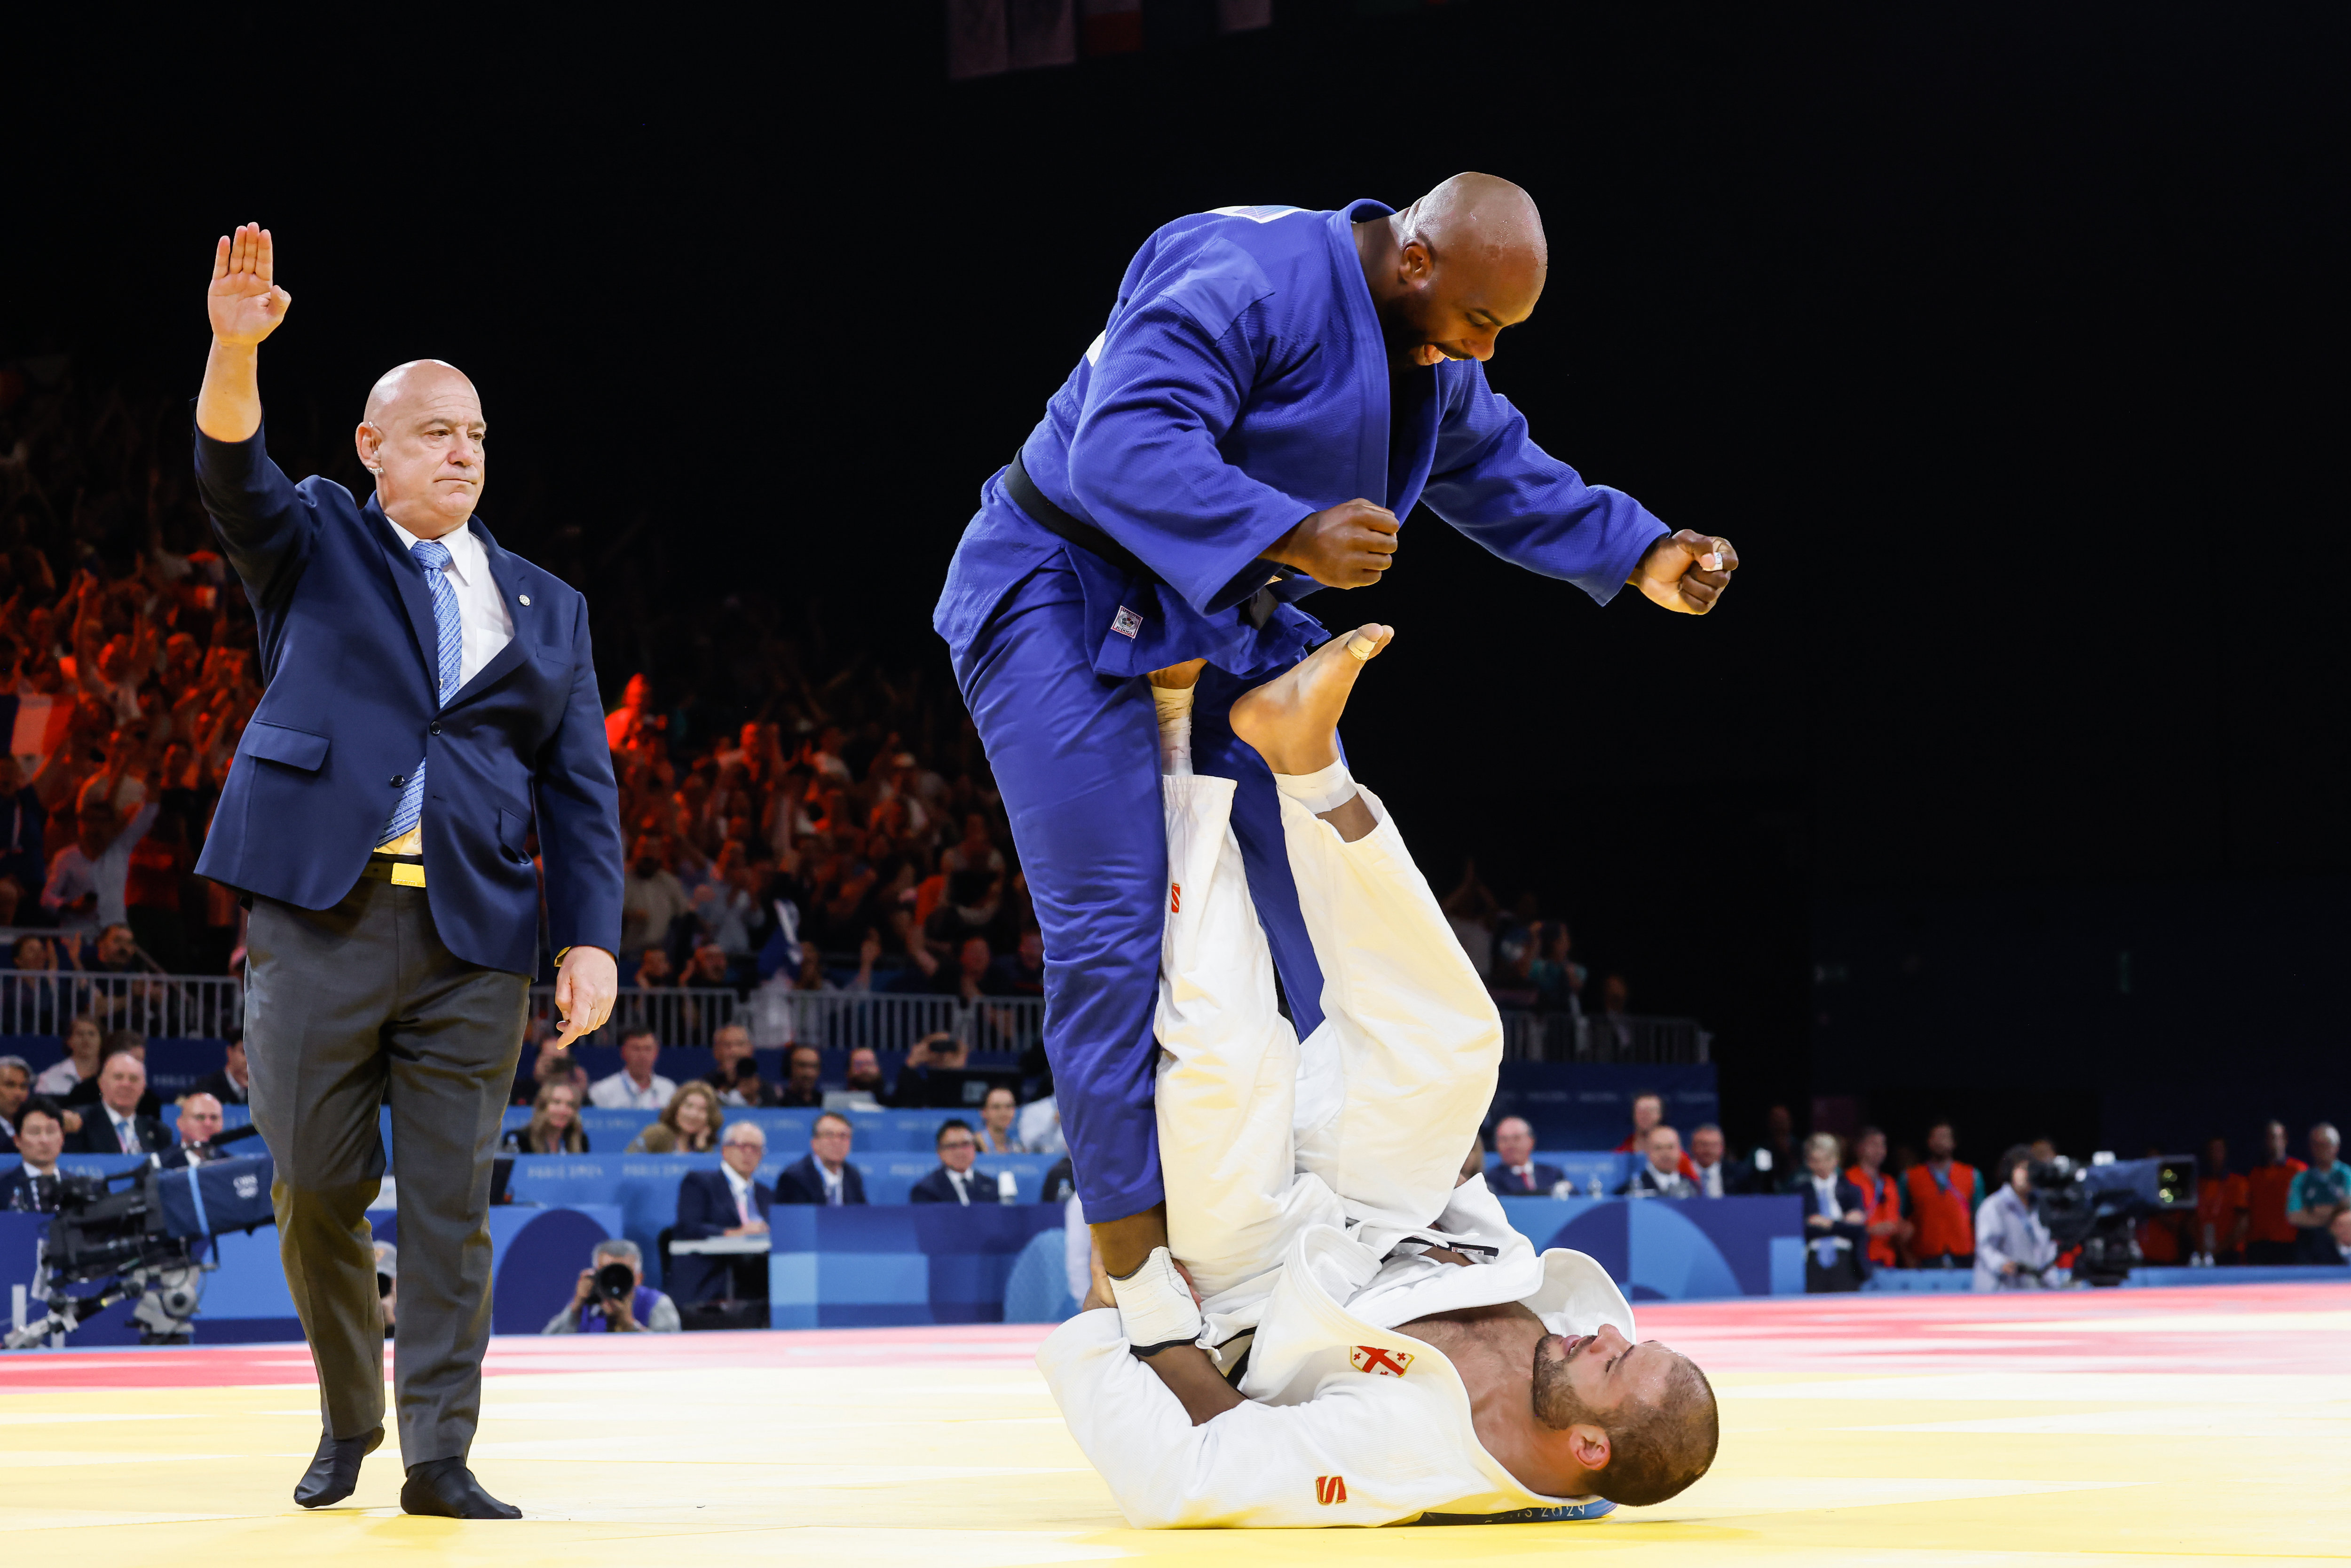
<point x="1178" y="677"/>
<point x="1292" y="720"/>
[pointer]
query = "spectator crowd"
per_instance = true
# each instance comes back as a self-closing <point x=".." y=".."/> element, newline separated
<point x="1939" y="1212"/>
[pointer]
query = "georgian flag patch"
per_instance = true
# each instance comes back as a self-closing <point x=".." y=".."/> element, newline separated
<point x="1126" y="623"/>
<point x="1380" y="1362"/>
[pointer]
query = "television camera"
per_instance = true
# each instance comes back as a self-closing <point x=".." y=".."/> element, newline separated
<point x="2097" y="1208"/>
<point x="139" y="1234"/>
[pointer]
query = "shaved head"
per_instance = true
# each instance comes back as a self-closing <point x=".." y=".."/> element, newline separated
<point x="418" y="379"/>
<point x="1481" y="215"/>
<point x="423" y="440"/>
<point x="1453" y="269"/>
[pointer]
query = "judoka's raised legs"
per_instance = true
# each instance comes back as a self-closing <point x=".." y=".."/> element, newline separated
<point x="1395" y="1081"/>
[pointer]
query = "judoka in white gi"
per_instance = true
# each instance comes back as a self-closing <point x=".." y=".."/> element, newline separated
<point x="1373" y="1343"/>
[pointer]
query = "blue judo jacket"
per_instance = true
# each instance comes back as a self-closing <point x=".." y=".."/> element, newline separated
<point x="347" y="652"/>
<point x="1242" y="384"/>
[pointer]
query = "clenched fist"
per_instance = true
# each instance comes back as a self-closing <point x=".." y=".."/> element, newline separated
<point x="1346" y="546"/>
<point x="1686" y="571"/>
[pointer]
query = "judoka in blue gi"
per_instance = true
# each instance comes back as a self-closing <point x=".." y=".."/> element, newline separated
<point x="1275" y="388"/>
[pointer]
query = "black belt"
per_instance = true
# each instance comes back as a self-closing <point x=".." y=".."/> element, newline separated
<point x="1084" y="535"/>
<point x="1257" y="609"/>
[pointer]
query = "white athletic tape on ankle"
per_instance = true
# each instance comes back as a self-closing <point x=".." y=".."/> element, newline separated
<point x="1174" y="707"/>
<point x="1327" y="791"/>
<point x="1155" y="1305"/>
<point x="1362" y="647"/>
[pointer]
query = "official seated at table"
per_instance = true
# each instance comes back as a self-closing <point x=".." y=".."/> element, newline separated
<point x="955" y="1181"/>
<point x="1717" y="1175"/>
<point x="554" y="1127"/>
<point x="32" y="1187"/>
<point x="1521" y="1175"/>
<point x="1660" y="1172"/>
<point x="824" y="1175"/>
<point x="199" y="1124"/>
<point x="690" y="1125"/>
<point x="15" y="1088"/>
<point x="728" y="1201"/>
<point x="115" y="1124"/>
<point x="90" y="1091"/>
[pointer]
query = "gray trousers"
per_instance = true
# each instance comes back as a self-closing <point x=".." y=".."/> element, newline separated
<point x="348" y="1009"/>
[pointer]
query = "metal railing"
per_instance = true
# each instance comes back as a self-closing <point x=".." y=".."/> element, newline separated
<point x="831" y="1019"/>
<point x="168" y="1007"/>
<point x="208" y="1007"/>
<point x="1565" y="1037"/>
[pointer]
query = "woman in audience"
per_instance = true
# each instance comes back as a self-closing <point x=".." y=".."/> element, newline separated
<point x="995" y="1134"/>
<point x="689" y="1126"/>
<point x="554" y="1127"/>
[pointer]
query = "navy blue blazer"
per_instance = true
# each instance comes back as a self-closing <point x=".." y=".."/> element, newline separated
<point x="1503" y="1183"/>
<point x="349" y="659"/>
<point x="705" y="1205"/>
<point x="802" y="1183"/>
<point x="937" y="1187"/>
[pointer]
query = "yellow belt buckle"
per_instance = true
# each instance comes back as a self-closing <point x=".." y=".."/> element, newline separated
<point x="405" y="875"/>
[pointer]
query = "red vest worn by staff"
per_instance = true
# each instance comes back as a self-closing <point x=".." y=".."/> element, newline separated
<point x="1882" y="1201"/>
<point x="1942" y="1210"/>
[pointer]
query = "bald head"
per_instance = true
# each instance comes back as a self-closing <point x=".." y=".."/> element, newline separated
<point x="1482" y="216"/>
<point x="423" y="438"/>
<point x="1453" y="269"/>
<point x="430" y="379"/>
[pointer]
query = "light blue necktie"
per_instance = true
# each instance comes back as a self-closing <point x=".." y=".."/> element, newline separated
<point x="1825" y="1250"/>
<point x="433" y="557"/>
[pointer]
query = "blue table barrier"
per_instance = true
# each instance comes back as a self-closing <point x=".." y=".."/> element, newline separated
<point x="915" y="1263"/>
<point x="1664" y="1249"/>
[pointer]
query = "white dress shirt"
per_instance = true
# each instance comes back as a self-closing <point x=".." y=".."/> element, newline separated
<point x="620" y="1092"/>
<point x="482" y="611"/>
<point x="747" y="1199"/>
<point x="1709" y="1179"/>
<point x="962" y="1181"/>
<point x="487" y="627"/>
<point x="832" y="1185"/>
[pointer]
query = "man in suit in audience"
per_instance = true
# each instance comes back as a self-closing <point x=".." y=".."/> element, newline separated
<point x="32" y="1187"/>
<point x="955" y="1181"/>
<point x="728" y="1201"/>
<point x="1660" y="1175"/>
<point x="85" y="1093"/>
<point x="200" y="1123"/>
<point x="233" y="1084"/>
<point x="114" y="1125"/>
<point x="1836" y="1235"/>
<point x="15" y="1088"/>
<point x="1520" y="1174"/>
<point x="1719" y="1176"/>
<point x="825" y="1175"/>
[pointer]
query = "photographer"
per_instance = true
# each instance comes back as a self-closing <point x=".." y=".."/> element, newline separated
<point x="2014" y="1251"/>
<point x="612" y="1297"/>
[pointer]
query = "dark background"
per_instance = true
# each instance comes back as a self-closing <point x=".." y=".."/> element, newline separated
<point x="2008" y="780"/>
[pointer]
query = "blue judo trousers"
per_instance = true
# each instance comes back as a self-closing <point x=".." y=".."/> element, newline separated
<point x="1240" y="385"/>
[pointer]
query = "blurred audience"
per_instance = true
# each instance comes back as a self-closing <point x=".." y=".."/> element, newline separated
<point x="554" y="1127"/>
<point x="1836" y="1246"/>
<point x="690" y="1126"/>
<point x="232" y="1084"/>
<point x="1881" y="1200"/>
<point x="2220" y="1206"/>
<point x="1660" y="1174"/>
<point x="2320" y="1192"/>
<point x="32" y="1187"/>
<point x="637" y="1086"/>
<point x="116" y="1124"/>
<point x="1942" y="1195"/>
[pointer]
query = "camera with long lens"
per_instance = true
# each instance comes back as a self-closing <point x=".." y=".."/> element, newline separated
<point x="2097" y="1208"/>
<point x="135" y="1236"/>
<point x="615" y="1281"/>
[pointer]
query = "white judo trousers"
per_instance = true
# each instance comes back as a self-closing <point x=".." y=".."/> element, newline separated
<point x="1294" y="1171"/>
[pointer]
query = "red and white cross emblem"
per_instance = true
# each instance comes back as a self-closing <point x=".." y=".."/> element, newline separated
<point x="1379" y="1362"/>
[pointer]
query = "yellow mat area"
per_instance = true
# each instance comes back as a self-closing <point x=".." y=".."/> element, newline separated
<point x="969" y="1467"/>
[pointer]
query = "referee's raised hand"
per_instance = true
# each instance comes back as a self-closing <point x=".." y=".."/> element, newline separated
<point x="245" y="301"/>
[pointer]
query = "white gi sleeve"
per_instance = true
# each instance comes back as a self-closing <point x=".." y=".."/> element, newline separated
<point x="1256" y="1465"/>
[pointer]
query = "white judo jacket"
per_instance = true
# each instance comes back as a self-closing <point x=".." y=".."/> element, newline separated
<point x="1350" y="1421"/>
